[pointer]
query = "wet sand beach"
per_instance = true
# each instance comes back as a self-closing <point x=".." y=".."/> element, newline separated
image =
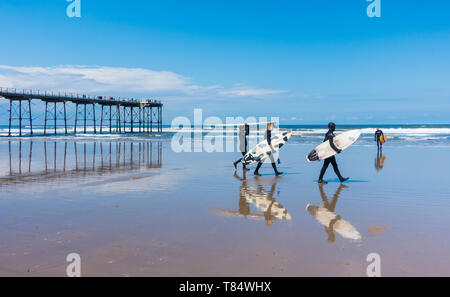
<point x="135" y="208"/>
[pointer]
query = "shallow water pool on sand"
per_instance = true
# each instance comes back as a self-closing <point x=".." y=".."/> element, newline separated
<point x="135" y="208"/>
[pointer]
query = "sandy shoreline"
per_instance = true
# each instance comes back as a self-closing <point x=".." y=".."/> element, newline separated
<point x="182" y="215"/>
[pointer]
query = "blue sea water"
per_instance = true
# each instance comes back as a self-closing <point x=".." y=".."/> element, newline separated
<point x="310" y="134"/>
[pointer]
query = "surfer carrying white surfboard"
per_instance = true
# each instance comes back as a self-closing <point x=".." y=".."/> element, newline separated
<point x="329" y="137"/>
<point x="268" y="137"/>
<point x="244" y="131"/>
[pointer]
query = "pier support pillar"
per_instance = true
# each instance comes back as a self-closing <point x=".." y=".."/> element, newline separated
<point x="10" y="117"/>
<point x="45" y="120"/>
<point x="124" y="119"/>
<point x="132" y="117"/>
<point x="101" y="121"/>
<point x="151" y="119"/>
<point x="118" y="124"/>
<point x="160" y="119"/>
<point x="65" y="118"/>
<point x="30" y="117"/>
<point x="20" y="117"/>
<point x="54" y="119"/>
<point x="149" y="114"/>
<point x="140" y="119"/>
<point x="85" y="118"/>
<point x="76" y="118"/>
<point x="93" y="112"/>
<point x="110" y="119"/>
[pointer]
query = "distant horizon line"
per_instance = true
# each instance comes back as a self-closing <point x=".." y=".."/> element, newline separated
<point x="281" y="125"/>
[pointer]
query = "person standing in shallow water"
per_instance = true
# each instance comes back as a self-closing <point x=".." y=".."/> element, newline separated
<point x="378" y="135"/>
<point x="329" y="137"/>
<point x="244" y="132"/>
<point x="268" y="137"/>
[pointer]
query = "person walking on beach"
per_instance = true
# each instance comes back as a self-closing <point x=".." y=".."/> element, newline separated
<point x="268" y="137"/>
<point x="378" y="135"/>
<point x="329" y="137"/>
<point x="244" y="132"/>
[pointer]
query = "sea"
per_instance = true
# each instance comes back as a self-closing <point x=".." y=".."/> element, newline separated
<point x="424" y="134"/>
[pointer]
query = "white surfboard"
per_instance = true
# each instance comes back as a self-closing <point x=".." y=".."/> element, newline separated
<point x="330" y="219"/>
<point x="262" y="151"/>
<point x="342" y="141"/>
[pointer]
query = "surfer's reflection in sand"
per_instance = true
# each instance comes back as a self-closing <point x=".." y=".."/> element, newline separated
<point x="333" y="223"/>
<point x="263" y="200"/>
<point x="379" y="161"/>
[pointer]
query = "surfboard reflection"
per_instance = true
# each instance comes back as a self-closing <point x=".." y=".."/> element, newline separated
<point x="379" y="161"/>
<point x="326" y="216"/>
<point x="253" y="192"/>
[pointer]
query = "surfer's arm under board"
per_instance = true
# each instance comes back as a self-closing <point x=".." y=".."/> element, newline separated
<point x="269" y="139"/>
<point x="330" y="139"/>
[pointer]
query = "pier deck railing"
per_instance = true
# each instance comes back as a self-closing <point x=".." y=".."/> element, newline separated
<point x="65" y="96"/>
<point x="127" y="112"/>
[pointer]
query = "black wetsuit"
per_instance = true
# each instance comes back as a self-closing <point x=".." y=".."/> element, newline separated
<point x="246" y="134"/>
<point x="378" y="134"/>
<point x="269" y="137"/>
<point x="329" y="137"/>
<point x="274" y="166"/>
<point x="244" y="145"/>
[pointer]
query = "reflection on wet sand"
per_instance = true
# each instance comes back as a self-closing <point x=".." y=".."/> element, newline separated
<point x="379" y="161"/>
<point x="57" y="160"/>
<point x="263" y="200"/>
<point x="333" y="223"/>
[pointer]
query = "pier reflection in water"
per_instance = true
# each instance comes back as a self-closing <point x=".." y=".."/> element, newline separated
<point x="43" y="161"/>
<point x="327" y="217"/>
<point x="252" y="192"/>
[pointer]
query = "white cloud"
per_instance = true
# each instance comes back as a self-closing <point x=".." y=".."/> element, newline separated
<point x="99" y="79"/>
<point x="250" y="92"/>
<point x="93" y="79"/>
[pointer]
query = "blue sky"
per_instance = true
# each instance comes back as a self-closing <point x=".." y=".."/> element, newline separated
<point x="306" y="62"/>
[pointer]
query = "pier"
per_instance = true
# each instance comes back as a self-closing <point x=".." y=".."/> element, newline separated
<point x="118" y="115"/>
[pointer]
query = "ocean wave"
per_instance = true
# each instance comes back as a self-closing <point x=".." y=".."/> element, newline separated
<point x="429" y="135"/>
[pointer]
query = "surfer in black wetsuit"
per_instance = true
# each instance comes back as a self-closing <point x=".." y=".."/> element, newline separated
<point x="378" y="134"/>
<point x="268" y="137"/>
<point x="329" y="137"/>
<point x="244" y="131"/>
